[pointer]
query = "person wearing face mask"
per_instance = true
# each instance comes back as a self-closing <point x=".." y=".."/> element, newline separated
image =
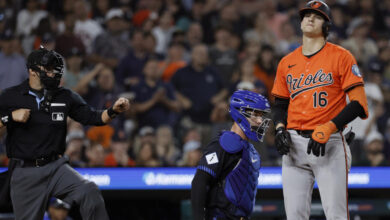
<point x="35" y="114"/>
<point x="226" y="178"/>
<point x="373" y="147"/>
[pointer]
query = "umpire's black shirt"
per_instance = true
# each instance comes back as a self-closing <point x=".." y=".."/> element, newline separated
<point x="44" y="133"/>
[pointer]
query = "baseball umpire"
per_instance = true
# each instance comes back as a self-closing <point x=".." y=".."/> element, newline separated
<point x="310" y="113"/>
<point x="225" y="183"/>
<point x="35" y="113"/>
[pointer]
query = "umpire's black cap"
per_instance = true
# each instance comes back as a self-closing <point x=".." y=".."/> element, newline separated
<point x="35" y="57"/>
<point x="317" y="6"/>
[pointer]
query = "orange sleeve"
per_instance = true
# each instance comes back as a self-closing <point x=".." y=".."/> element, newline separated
<point x="280" y="89"/>
<point x="358" y="94"/>
<point x="349" y="71"/>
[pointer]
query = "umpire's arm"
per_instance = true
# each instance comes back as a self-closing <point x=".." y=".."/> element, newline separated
<point x="199" y="188"/>
<point x="121" y="105"/>
<point x="81" y="112"/>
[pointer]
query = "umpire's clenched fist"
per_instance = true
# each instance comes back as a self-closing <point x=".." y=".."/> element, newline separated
<point x="21" y="115"/>
<point x="282" y="141"/>
<point x="121" y="105"/>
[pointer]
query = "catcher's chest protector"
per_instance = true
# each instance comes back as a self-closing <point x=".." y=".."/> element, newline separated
<point x="240" y="185"/>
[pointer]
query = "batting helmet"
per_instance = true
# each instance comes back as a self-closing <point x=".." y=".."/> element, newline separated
<point x="242" y="104"/>
<point x="321" y="8"/>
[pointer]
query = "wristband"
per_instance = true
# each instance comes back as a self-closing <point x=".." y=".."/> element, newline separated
<point x="111" y="113"/>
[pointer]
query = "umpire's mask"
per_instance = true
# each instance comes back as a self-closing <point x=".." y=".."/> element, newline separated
<point x="45" y="62"/>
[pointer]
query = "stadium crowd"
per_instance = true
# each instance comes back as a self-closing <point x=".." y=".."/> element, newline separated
<point x="178" y="61"/>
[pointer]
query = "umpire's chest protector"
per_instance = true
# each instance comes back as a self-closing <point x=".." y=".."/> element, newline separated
<point x="240" y="185"/>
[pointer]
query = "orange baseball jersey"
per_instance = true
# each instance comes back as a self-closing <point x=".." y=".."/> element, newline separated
<point x="316" y="86"/>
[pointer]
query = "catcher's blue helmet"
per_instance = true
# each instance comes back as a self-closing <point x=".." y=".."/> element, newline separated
<point x="243" y="104"/>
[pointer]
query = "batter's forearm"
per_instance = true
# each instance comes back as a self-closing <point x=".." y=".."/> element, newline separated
<point x="279" y="112"/>
<point x="348" y="114"/>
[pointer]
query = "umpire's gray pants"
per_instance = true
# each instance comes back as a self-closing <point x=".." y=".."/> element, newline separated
<point x="31" y="187"/>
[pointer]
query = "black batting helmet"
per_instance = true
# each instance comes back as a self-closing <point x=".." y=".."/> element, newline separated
<point x="321" y="8"/>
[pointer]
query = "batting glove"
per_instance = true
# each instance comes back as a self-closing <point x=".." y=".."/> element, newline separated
<point x="320" y="136"/>
<point x="282" y="141"/>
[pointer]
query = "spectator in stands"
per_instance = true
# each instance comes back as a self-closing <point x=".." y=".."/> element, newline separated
<point x="76" y="77"/>
<point x="250" y="52"/>
<point x="382" y="16"/>
<point x="191" y="134"/>
<point x="222" y="56"/>
<point x="95" y="155"/>
<point x="28" y="18"/>
<point x="359" y="42"/>
<point x="86" y="28"/>
<point x="75" y="146"/>
<point x="68" y="39"/>
<point x="147" y="156"/>
<point x="274" y="19"/>
<point x="165" y="146"/>
<point x="220" y="119"/>
<point x="163" y="32"/>
<point x="13" y="65"/>
<point x="100" y="9"/>
<point x="111" y="46"/>
<point x="194" y="35"/>
<point x="198" y="86"/>
<point x="229" y="17"/>
<point x="373" y="148"/>
<point x="105" y="92"/>
<point x="288" y="41"/>
<point x="119" y="155"/>
<point x="382" y="61"/>
<point x="260" y="32"/>
<point x="248" y="80"/>
<point x="146" y="134"/>
<point x="130" y="69"/>
<point x="7" y="12"/>
<point x="191" y="154"/>
<point x="178" y="37"/>
<point x="155" y="101"/>
<point x="173" y="61"/>
<point x="339" y="24"/>
<point x="265" y="67"/>
<point x="44" y="34"/>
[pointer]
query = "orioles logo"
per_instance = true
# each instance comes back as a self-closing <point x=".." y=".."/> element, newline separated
<point x="320" y="135"/>
<point x="307" y="82"/>
<point x="316" y="4"/>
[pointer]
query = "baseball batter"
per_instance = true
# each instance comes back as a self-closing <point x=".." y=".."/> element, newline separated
<point x="310" y="113"/>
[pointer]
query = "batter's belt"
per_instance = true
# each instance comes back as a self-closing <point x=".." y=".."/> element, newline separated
<point x="305" y="133"/>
